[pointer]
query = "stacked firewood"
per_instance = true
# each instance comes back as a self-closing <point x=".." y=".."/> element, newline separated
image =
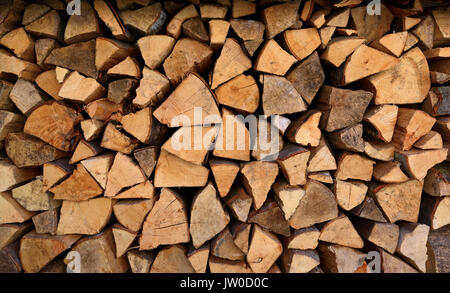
<point x="355" y="96"/>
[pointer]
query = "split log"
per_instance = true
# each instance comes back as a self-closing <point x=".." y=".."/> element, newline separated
<point x="434" y="211"/>
<point x="198" y="257"/>
<point x="32" y="198"/>
<point x="175" y="25"/>
<point x="233" y="139"/>
<point x="424" y="31"/>
<point x="81" y="89"/>
<point x="369" y="210"/>
<point x="97" y="254"/>
<point x="147" y="20"/>
<point x="61" y="74"/>
<point x="258" y="177"/>
<point x="99" y="167"/>
<point x="224" y="247"/>
<point x="42" y="48"/>
<point x="103" y="109"/>
<point x="79" y="186"/>
<point x="218" y="30"/>
<point x="82" y="27"/>
<point x="317" y="19"/>
<point x="191" y="143"/>
<point x="187" y="56"/>
<point x="410" y="80"/>
<point x="303" y="239"/>
<point x="140" y="261"/>
<point x="389" y="172"/>
<point x="208" y="217"/>
<point x="224" y="172"/>
<point x="208" y="11"/>
<point x="364" y="61"/>
<point x="155" y="49"/>
<point x="146" y="158"/>
<point x="80" y="57"/>
<point x="132" y="213"/>
<point x="152" y="90"/>
<point x="299" y="261"/>
<point x="326" y="33"/>
<point x="11" y="232"/>
<point x="384" y="235"/>
<point x="123" y="239"/>
<point x="194" y="28"/>
<point x="273" y="59"/>
<point x="438" y="241"/>
<point x="280" y="97"/>
<point x="288" y="197"/>
<point x="264" y="250"/>
<point x="172" y="259"/>
<point x="48" y="82"/>
<point x="348" y="139"/>
<point x="349" y="194"/>
<point x="340" y="259"/>
<point x="240" y="93"/>
<point x="92" y="129"/>
<point x="200" y="96"/>
<point x="27" y="151"/>
<point x="324" y="177"/>
<point x="304" y="129"/>
<point x="248" y="30"/>
<point x="443" y="127"/>
<point x="239" y="203"/>
<point x="48" y="26"/>
<point x="26" y="96"/>
<point x="120" y="90"/>
<point x="167" y="222"/>
<point x="115" y="140"/>
<point x="55" y="124"/>
<point x="5" y="102"/>
<point x="144" y="127"/>
<point x="84" y="150"/>
<point x="37" y="250"/>
<point x="13" y="175"/>
<point x="399" y="201"/>
<point x="342" y="232"/>
<point x="218" y="265"/>
<point x="141" y="190"/>
<point x="301" y="43"/>
<point x="241" y="233"/>
<point x="270" y="217"/>
<point x="437" y="102"/>
<point x="124" y="172"/>
<point x="293" y="161"/>
<point x="416" y="163"/>
<point x="354" y="166"/>
<point x="46" y="222"/>
<point x="34" y="11"/>
<point x="172" y="171"/>
<point x="412" y="244"/>
<point x="341" y="108"/>
<point x="392" y="264"/>
<point x="231" y="63"/>
<point x="338" y="49"/>
<point x="13" y="65"/>
<point x="437" y="182"/>
<point x="321" y="158"/>
<point x="316" y="206"/>
<point x="382" y="120"/>
<point x="307" y="77"/>
<point x="126" y="68"/>
<point x="110" y="17"/>
<point x="109" y="52"/>
<point x="20" y="43"/>
<point x="372" y="27"/>
<point x="241" y="8"/>
<point x="278" y="18"/>
<point x="11" y="210"/>
<point x="86" y="217"/>
<point x="379" y="151"/>
<point x="393" y="44"/>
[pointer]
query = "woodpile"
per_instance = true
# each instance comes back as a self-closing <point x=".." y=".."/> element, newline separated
<point x="323" y="136"/>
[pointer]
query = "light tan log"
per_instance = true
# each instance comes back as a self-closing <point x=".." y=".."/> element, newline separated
<point x="32" y="198"/>
<point x="224" y="172"/>
<point x="258" y="177"/>
<point x="12" y="232"/>
<point x="218" y="30"/>
<point x="299" y="261"/>
<point x="371" y="27"/>
<point x="389" y="172"/>
<point x="273" y="59"/>
<point x="288" y="197"/>
<point x="86" y="217"/>
<point x="172" y="259"/>
<point x="167" y="222"/>
<point x="152" y="90"/>
<point x="383" y="119"/>
<point x="241" y="8"/>
<point x="384" y="235"/>
<point x="354" y="166"/>
<point x="81" y="89"/>
<point x="23" y="69"/>
<point x="342" y="232"/>
<point x="92" y="129"/>
<point x="37" y="250"/>
<point x="349" y="194"/>
<point x="321" y="158"/>
<point x="155" y="49"/>
<point x="303" y="239"/>
<point x="412" y="244"/>
<point x="20" y="43"/>
<point x="115" y="140"/>
<point x="147" y="20"/>
<point x="379" y="150"/>
<point x="264" y="250"/>
<point x="11" y="210"/>
<point x="316" y="206"/>
<point x="399" y="201"/>
<point x="278" y="18"/>
<point x="109" y="52"/>
<point x="293" y="160"/>
<point x="110" y="17"/>
<point x="82" y="27"/>
<point x="239" y="203"/>
<point x="340" y="259"/>
<point x="224" y="247"/>
<point x="436" y="181"/>
<point x="13" y="176"/>
<point x="140" y="261"/>
<point x="131" y="213"/>
<point x="301" y="43"/>
<point x="48" y="82"/>
<point x="338" y="49"/>
<point x="198" y="257"/>
<point x="174" y="26"/>
<point x="26" y="96"/>
<point x="240" y="93"/>
<point x="123" y="239"/>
